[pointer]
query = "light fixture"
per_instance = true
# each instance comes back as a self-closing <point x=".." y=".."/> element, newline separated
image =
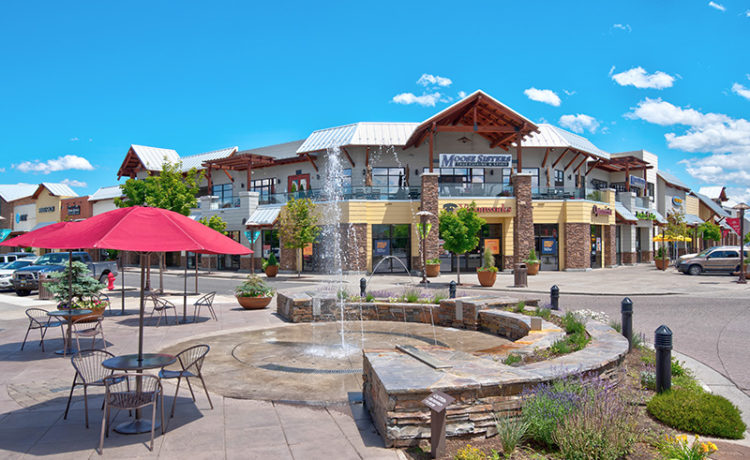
<point x="492" y="172"/>
<point x="464" y="139"/>
<point x="317" y="176"/>
<point x="416" y="171"/>
<point x="364" y="172"/>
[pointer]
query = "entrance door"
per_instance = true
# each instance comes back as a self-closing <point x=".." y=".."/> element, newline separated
<point x="638" y="244"/>
<point x="298" y="183"/>
<point x="545" y="244"/>
<point x="618" y="244"/>
<point x="596" y="246"/>
<point x="391" y="240"/>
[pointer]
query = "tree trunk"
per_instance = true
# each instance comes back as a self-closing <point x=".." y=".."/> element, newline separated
<point x="458" y="268"/>
<point x="298" y="261"/>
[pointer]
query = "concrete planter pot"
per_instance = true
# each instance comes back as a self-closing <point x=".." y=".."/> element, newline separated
<point x="254" y="303"/>
<point x="532" y="269"/>
<point x="487" y="277"/>
<point x="272" y="271"/>
<point x="433" y="270"/>
<point x="661" y="264"/>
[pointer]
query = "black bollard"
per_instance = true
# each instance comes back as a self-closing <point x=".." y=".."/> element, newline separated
<point x="554" y="297"/>
<point x="626" y="309"/>
<point x="663" y="345"/>
<point x="452" y="290"/>
<point x="362" y="287"/>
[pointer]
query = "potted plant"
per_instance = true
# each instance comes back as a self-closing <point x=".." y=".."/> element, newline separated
<point x="254" y="293"/>
<point x="661" y="260"/>
<point x="271" y="266"/>
<point x="487" y="273"/>
<point x="84" y="290"/>
<point x="433" y="267"/>
<point x="532" y="263"/>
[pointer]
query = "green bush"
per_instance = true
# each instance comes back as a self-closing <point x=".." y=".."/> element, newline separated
<point x="519" y="307"/>
<point x="547" y="406"/>
<point x="270" y="262"/>
<point x="543" y="312"/>
<point x="512" y="359"/>
<point x="697" y="412"/>
<point x="511" y="432"/>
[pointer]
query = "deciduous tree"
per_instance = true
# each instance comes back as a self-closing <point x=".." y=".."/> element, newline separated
<point x="298" y="226"/>
<point x="460" y="231"/>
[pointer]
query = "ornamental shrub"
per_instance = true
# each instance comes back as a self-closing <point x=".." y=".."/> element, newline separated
<point x="469" y="453"/>
<point x="697" y="412"/>
<point x="488" y="261"/>
<point x="271" y="261"/>
<point x="546" y="406"/>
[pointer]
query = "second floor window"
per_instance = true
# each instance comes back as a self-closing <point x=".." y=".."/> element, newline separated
<point x="346" y="180"/>
<point x="224" y="192"/>
<point x="507" y="172"/>
<point x="389" y="179"/>
<point x="599" y="184"/>
<point x="264" y="186"/>
<point x="74" y="210"/>
<point x="559" y="178"/>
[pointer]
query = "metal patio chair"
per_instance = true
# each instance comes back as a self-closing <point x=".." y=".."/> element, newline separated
<point x="131" y="392"/>
<point x="89" y="372"/>
<point x="38" y="319"/>
<point x="205" y="301"/>
<point x="191" y="362"/>
<point x="162" y="306"/>
<point x="85" y="328"/>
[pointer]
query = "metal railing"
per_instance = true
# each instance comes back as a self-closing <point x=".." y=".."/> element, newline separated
<point x="349" y="193"/>
<point x="642" y="202"/>
<point x="557" y="193"/>
<point x="225" y="202"/>
<point x="476" y="190"/>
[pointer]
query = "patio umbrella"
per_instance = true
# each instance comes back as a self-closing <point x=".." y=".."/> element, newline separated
<point x="143" y="230"/>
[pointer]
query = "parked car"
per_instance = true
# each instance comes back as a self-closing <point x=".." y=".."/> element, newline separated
<point x="26" y="279"/>
<point x="12" y="256"/>
<point x="6" y="272"/>
<point x="719" y="259"/>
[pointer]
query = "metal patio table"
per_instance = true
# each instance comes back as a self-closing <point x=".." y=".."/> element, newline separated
<point x="69" y="315"/>
<point x="131" y="363"/>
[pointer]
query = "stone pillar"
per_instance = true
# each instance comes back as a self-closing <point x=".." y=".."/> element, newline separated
<point x="288" y="258"/>
<point x="577" y="246"/>
<point x="430" y="203"/>
<point x="523" y="223"/>
<point x="354" y="242"/>
<point x="610" y="245"/>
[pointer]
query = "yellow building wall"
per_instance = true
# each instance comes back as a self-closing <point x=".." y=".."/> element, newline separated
<point x="46" y="200"/>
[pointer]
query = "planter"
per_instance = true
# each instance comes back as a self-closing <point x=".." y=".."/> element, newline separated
<point x="272" y="271"/>
<point x="532" y="269"/>
<point x="254" y="303"/>
<point x="487" y="277"/>
<point x="661" y="264"/>
<point x="95" y="314"/>
<point x="433" y="270"/>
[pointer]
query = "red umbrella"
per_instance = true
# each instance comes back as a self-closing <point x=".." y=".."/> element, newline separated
<point x="29" y="240"/>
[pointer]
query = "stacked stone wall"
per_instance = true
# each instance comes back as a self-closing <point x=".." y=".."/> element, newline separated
<point x="523" y="223"/>
<point x="577" y="246"/>
<point x="610" y="245"/>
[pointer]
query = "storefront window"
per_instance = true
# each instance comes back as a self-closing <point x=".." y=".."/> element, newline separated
<point x="596" y="246"/>
<point x="559" y="178"/>
<point x="270" y="244"/>
<point x="546" y="246"/>
<point x="391" y="240"/>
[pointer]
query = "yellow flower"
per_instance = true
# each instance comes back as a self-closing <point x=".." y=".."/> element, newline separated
<point x="704" y="447"/>
<point x="713" y="446"/>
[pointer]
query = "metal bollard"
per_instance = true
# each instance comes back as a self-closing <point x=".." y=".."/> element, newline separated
<point x="452" y="290"/>
<point x="554" y="297"/>
<point x="626" y="310"/>
<point x="663" y="345"/>
<point x="362" y="287"/>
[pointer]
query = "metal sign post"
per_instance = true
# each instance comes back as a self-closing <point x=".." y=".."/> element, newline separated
<point x="437" y="402"/>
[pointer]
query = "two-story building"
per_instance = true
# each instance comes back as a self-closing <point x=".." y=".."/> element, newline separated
<point x="13" y="197"/>
<point x="48" y="199"/>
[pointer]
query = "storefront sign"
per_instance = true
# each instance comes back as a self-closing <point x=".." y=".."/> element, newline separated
<point x="549" y="246"/>
<point x="642" y="215"/>
<point x="308" y="250"/>
<point x="4" y="234"/>
<point x="381" y="248"/>
<point x="601" y="211"/>
<point x="676" y="201"/>
<point x="493" y="245"/>
<point x="252" y="235"/>
<point x="47" y="209"/>
<point x="266" y="250"/>
<point x="475" y="160"/>
<point x="502" y="209"/>
<point x="636" y="181"/>
<point x="734" y="222"/>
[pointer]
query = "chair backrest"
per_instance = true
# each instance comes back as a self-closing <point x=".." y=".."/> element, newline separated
<point x="207" y="299"/>
<point x="87" y="323"/>
<point x="88" y="364"/>
<point x="37" y="315"/>
<point x="121" y="390"/>
<point x="193" y="357"/>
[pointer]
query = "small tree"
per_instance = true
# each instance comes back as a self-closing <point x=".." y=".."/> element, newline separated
<point x="215" y="223"/>
<point x="83" y="285"/>
<point x="709" y="231"/>
<point x="298" y="227"/>
<point x="459" y="230"/>
<point x="676" y="226"/>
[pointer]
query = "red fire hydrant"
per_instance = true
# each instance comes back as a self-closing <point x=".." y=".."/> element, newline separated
<point x="111" y="280"/>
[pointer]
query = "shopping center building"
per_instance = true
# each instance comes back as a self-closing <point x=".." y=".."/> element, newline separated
<point x="536" y="186"/>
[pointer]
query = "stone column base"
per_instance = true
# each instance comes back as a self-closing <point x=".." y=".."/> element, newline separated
<point x="647" y="256"/>
<point x="628" y="258"/>
<point x="577" y="241"/>
<point x="610" y="251"/>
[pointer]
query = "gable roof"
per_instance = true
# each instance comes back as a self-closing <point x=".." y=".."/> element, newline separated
<point x="552" y="136"/>
<point x="13" y="192"/>
<point x="715" y="207"/>
<point x="716" y="192"/>
<point x="55" y="190"/>
<point x="672" y="180"/>
<point x="196" y="161"/>
<point x="362" y="133"/>
<point x="106" y="193"/>
<point x="152" y="158"/>
<point x="278" y="151"/>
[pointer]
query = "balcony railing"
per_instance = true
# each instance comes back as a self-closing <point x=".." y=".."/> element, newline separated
<point x="476" y="190"/>
<point x="558" y="193"/>
<point x="349" y="193"/>
<point x="642" y="202"/>
<point x="226" y="202"/>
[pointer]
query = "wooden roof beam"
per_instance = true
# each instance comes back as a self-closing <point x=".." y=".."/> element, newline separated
<point x="591" y="168"/>
<point x="560" y="158"/>
<point x="575" y="157"/>
<point x="585" y="159"/>
<point x="312" y="161"/>
<point x="479" y="129"/>
<point x="502" y="140"/>
<point x="348" y="157"/>
<point x="546" y="155"/>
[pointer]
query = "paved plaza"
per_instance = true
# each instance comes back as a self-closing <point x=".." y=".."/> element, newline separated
<point x="708" y="314"/>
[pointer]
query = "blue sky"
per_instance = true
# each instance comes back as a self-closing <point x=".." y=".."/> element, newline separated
<point x="81" y="81"/>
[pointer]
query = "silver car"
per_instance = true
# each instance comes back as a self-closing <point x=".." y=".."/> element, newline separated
<point x="6" y="272"/>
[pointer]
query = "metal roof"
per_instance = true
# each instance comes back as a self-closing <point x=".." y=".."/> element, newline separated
<point x="670" y="179"/>
<point x="278" y="151"/>
<point x="624" y="212"/>
<point x="43" y="224"/>
<point x="58" y="189"/>
<point x="196" y="161"/>
<point x="152" y="158"/>
<point x="692" y="219"/>
<point x="713" y="192"/>
<point x="718" y="210"/>
<point x="106" y="193"/>
<point x="552" y="136"/>
<point x="13" y="192"/>
<point x="264" y="216"/>
<point x="363" y="133"/>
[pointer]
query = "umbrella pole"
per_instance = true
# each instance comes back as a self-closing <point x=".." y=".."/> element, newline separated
<point x="70" y="279"/>
<point x="140" y="322"/>
<point x="196" y="272"/>
<point x="122" y="273"/>
<point x="184" y="292"/>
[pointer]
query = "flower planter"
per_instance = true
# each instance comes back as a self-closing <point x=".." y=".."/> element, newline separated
<point x="487" y="277"/>
<point x="272" y="271"/>
<point x="254" y="303"/>
<point x="661" y="264"/>
<point x="532" y="269"/>
<point x="95" y="314"/>
<point x="433" y="270"/>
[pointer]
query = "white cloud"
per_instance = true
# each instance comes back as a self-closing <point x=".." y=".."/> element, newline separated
<point x="579" y="123"/>
<point x="747" y="14"/>
<point x="611" y="70"/>
<point x="59" y="164"/>
<point x="73" y="183"/>
<point x="462" y="94"/>
<point x="432" y="80"/>
<point x="638" y="77"/>
<point x="717" y="6"/>
<point x="73" y="139"/>
<point x="741" y="90"/>
<point x="543" y="95"/>
<point x="739" y="194"/>
<point x="625" y="27"/>
<point x="425" y="100"/>
<point x="569" y="93"/>
<point x="2" y="170"/>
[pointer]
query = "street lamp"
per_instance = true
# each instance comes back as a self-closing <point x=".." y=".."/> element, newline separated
<point x="741" y="207"/>
<point x="423" y="215"/>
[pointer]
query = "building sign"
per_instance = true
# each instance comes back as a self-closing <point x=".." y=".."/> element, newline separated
<point x="4" y="234"/>
<point x="642" y="215"/>
<point x="381" y="248"/>
<point x="252" y="235"/>
<point x="601" y="211"/>
<point x="308" y="250"/>
<point x="21" y="217"/>
<point x="676" y="201"/>
<point x="47" y="209"/>
<point x="502" y="209"/>
<point x="493" y="244"/>
<point x="734" y="222"/>
<point x="475" y="160"/>
<point x="549" y="246"/>
<point x="74" y="210"/>
<point x="636" y="181"/>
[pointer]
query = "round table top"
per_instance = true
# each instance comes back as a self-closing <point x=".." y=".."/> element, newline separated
<point x="131" y="363"/>
<point x="69" y="313"/>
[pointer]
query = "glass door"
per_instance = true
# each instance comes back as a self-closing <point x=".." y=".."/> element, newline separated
<point x="596" y="246"/>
